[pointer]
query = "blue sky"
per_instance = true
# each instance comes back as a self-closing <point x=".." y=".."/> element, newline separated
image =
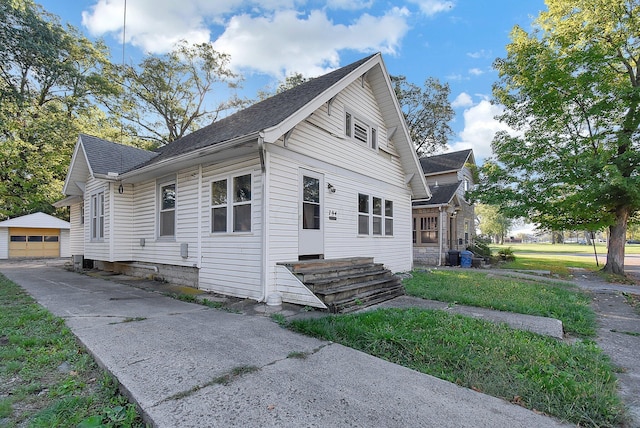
<point x="455" y="41"/>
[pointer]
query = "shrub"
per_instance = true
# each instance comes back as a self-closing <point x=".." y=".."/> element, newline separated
<point x="506" y="254"/>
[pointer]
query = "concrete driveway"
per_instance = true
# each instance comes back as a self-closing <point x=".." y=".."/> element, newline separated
<point x="169" y="356"/>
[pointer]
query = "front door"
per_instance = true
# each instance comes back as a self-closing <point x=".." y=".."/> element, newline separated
<point x="311" y="235"/>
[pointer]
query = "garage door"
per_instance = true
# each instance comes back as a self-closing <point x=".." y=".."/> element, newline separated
<point x="34" y="242"/>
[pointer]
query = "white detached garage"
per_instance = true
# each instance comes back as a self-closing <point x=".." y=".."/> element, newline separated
<point x="35" y="235"/>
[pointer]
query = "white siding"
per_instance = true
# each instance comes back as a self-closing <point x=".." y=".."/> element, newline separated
<point x="322" y="137"/>
<point x="4" y="243"/>
<point x="121" y="239"/>
<point x="231" y="262"/>
<point x="144" y="214"/>
<point x="97" y="250"/>
<point x="76" y="236"/>
<point x="319" y="144"/>
<point x="64" y="243"/>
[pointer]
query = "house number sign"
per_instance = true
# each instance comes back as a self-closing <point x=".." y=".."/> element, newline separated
<point x="333" y="214"/>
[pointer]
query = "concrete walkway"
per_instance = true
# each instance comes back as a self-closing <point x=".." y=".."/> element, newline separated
<point x="171" y="356"/>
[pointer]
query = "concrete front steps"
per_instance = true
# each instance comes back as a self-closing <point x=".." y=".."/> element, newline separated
<point x="347" y="284"/>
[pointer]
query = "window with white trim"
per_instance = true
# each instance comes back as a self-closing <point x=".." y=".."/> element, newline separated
<point x="388" y="218"/>
<point x="363" y="214"/>
<point x="97" y="216"/>
<point x="360" y="130"/>
<point x="235" y="214"/>
<point x="375" y="214"/>
<point x="167" y="208"/>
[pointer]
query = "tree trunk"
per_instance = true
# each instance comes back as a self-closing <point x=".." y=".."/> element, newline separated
<point x="617" y="240"/>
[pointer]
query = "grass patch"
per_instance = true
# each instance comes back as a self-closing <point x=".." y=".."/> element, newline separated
<point x="474" y="288"/>
<point x="46" y="377"/>
<point x="573" y="382"/>
<point x="279" y="319"/>
<point x="558" y="265"/>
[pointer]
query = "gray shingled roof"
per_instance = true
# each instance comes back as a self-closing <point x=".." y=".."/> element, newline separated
<point x="105" y="157"/>
<point x="445" y="162"/>
<point x="257" y="117"/>
<point x="440" y="194"/>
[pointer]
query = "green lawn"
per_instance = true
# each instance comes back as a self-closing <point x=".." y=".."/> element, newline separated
<point x="477" y="288"/>
<point x="560" y="259"/>
<point x="46" y="378"/>
<point x="601" y="248"/>
<point x="574" y="382"/>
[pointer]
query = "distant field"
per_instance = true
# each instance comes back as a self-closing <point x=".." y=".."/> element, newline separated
<point x="601" y="248"/>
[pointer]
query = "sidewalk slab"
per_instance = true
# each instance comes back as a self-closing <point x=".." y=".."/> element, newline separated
<point x="540" y="325"/>
<point x="169" y="356"/>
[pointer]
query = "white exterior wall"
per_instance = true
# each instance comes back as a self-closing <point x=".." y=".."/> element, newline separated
<point x="76" y="235"/>
<point x="351" y="167"/>
<point x="4" y="243"/>
<point x="120" y="224"/>
<point x="232" y="262"/>
<point x="144" y="223"/>
<point x="99" y="249"/>
<point x="64" y="243"/>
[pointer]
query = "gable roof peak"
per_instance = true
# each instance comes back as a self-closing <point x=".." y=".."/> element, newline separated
<point x="452" y="161"/>
<point x="263" y="115"/>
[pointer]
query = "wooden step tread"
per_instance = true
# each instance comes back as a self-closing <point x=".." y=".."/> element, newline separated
<point x="358" y="285"/>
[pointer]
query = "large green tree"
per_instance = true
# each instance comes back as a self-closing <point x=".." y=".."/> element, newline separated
<point x="427" y="111"/>
<point x="492" y="222"/>
<point x="167" y="96"/>
<point x="48" y="76"/>
<point x="571" y="91"/>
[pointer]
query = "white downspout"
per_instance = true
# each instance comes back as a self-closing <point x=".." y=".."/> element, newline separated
<point x="199" y="260"/>
<point x="440" y="237"/>
<point x="265" y="207"/>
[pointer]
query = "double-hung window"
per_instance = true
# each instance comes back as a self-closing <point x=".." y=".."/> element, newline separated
<point x="231" y="213"/>
<point x="376" y="215"/>
<point x="167" y="209"/>
<point x="97" y="216"/>
<point x="363" y="214"/>
<point x="388" y="218"/>
<point x="360" y="130"/>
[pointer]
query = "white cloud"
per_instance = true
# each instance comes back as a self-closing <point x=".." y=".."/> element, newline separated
<point x="462" y="100"/>
<point x="288" y="42"/>
<point x="349" y="4"/>
<point x="156" y="25"/>
<point x="266" y="36"/>
<point x="456" y="77"/>
<point x="480" y="54"/>
<point x="433" y="7"/>
<point x="480" y="126"/>
<point x="476" y="71"/>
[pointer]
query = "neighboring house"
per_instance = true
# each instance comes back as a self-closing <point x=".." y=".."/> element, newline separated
<point x="325" y="170"/>
<point x="35" y="235"/>
<point x="446" y="221"/>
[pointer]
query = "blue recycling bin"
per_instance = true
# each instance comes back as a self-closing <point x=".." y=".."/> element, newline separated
<point x="466" y="257"/>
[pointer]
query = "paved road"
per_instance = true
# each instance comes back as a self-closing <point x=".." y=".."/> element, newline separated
<point x="170" y="360"/>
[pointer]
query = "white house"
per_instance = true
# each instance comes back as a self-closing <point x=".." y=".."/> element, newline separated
<point x="35" y="235"/>
<point x="323" y="171"/>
